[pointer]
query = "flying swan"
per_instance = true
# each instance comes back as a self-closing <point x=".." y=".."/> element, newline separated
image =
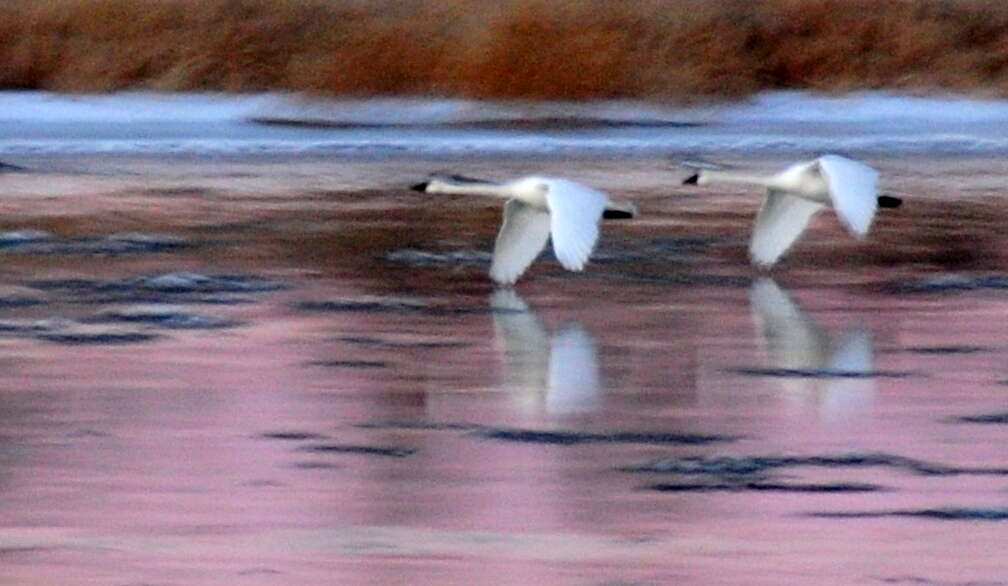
<point x="795" y="194"/>
<point x="536" y="209"/>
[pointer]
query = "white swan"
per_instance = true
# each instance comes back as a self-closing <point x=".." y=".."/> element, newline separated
<point x="795" y="194"/>
<point x="833" y="375"/>
<point x="560" y="374"/>
<point x="536" y="209"/>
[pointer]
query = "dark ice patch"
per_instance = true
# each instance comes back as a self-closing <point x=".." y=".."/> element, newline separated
<point x="385" y="305"/>
<point x="952" y="349"/>
<point x="984" y="418"/>
<point x="369" y="341"/>
<point x="24" y="326"/>
<point x="350" y="363"/>
<point x="922" y="581"/>
<point x="362" y="450"/>
<point x="291" y="435"/>
<point x="765" y="486"/>
<point x="18" y="238"/>
<point x="949" y="284"/>
<point x="39" y="242"/>
<point x="316" y="465"/>
<point x="737" y="467"/>
<point x="535" y="123"/>
<point x="938" y="514"/>
<point x="79" y="338"/>
<point x="9" y="168"/>
<point x="172" y="318"/>
<point x="816" y="373"/>
<point x="184" y="282"/>
<point x="180" y="191"/>
<point x="179" y="287"/>
<point x="421" y="258"/>
<point x="567" y="438"/>
<point x="677" y="278"/>
<point x="420" y="426"/>
<point x="68" y="331"/>
<point x="12" y="301"/>
<point x="362" y="305"/>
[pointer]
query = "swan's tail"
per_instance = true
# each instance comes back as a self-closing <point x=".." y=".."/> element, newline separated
<point x="620" y="210"/>
<point x="888" y="201"/>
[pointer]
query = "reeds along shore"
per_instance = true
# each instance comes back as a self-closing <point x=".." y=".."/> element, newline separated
<point x="552" y="49"/>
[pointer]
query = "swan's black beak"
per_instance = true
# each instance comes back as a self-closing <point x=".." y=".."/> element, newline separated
<point x="421" y="187"/>
<point x="888" y="201"/>
<point x="692" y="179"/>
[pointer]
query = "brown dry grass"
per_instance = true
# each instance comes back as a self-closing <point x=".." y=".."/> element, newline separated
<point x="656" y="49"/>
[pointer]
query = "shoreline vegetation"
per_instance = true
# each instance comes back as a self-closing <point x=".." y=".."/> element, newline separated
<point x="662" y="50"/>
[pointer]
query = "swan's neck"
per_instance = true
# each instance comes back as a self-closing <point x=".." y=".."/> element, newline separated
<point x="719" y="176"/>
<point x="486" y="189"/>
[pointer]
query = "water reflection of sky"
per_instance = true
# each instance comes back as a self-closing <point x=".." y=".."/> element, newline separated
<point x="369" y="421"/>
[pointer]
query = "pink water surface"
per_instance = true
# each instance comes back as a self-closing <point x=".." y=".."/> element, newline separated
<point x="194" y="458"/>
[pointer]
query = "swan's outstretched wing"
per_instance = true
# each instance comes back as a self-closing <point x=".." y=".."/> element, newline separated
<point x="780" y="222"/>
<point x="853" y="187"/>
<point x="521" y="238"/>
<point x="575" y="211"/>
<point x="793" y="340"/>
<point x="573" y="371"/>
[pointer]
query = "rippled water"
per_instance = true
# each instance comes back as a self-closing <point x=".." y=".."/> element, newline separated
<point x="296" y="372"/>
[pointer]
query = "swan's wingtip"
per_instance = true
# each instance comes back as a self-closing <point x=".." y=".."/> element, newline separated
<point x="693" y="179"/>
<point x="621" y="211"/>
<point x="618" y="214"/>
<point x="421" y="187"/>
<point x="888" y="201"/>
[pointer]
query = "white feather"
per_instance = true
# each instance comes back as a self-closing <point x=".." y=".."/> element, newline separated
<point x="575" y="211"/>
<point x="853" y="188"/>
<point x="782" y="219"/>
<point x="521" y="238"/>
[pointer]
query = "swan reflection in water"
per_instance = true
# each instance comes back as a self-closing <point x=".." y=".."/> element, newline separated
<point x="558" y="374"/>
<point x="835" y="376"/>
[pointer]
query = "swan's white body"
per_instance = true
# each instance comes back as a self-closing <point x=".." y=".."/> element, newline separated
<point x="558" y="374"/>
<point x="795" y="194"/>
<point x="827" y="373"/>
<point x="537" y="208"/>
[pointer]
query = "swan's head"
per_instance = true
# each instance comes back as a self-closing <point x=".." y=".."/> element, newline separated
<point x="698" y="179"/>
<point x="702" y="171"/>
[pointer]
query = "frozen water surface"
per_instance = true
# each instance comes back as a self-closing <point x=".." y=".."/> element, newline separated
<point x="293" y="370"/>
<point x="783" y="122"/>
